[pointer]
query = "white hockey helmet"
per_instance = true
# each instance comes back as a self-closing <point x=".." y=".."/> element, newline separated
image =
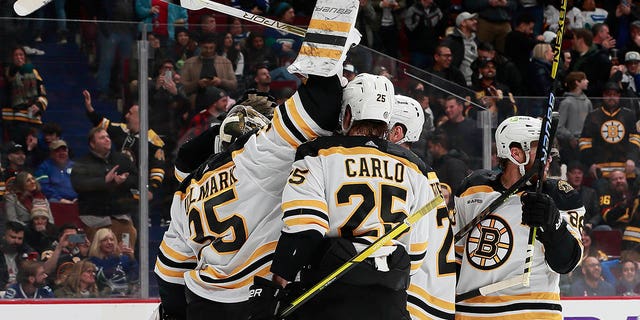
<point x="240" y="120"/>
<point x="408" y="112"/>
<point x="369" y="97"/>
<point x="522" y="130"/>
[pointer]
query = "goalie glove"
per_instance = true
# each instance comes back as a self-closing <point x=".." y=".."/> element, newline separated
<point x="539" y="210"/>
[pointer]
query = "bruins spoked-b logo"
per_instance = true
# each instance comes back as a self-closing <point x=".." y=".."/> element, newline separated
<point x="489" y="244"/>
<point x="612" y="131"/>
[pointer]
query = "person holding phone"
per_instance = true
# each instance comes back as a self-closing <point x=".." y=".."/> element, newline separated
<point x="72" y="246"/>
<point x="117" y="269"/>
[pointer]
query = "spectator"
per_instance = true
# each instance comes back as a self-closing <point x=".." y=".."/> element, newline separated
<point x="587" y="58"/>
<point x="449" y="164"/>
<point x="494" y="95"/>
<point x="16" y="159"/>
<point x="592" y="15"/>
<point x="463" y="44"/>
<point x="590" y="246"/>
<point x="257" y="54"/>
<point x="40" y="233"/>
<point x="168" y="104"/>
<point x="126" y="140"/>
<point x="114" y="37"/>
<point x="262" y="79"/>
<point x="521" y="42"/>
<point x="575" y="178"/>
<point x="616" y="201"/>
<point x="238" y="33"/>
<point x="207" y="28"/>
<point x="116" y="269"/>
<point x="103" y="180"/>
<point x="27" y="97"/>
<point x="494" y="22"/>
<point x="32" y="283"/>
<point x="213" y="110"/>
<point x="609" y="137"/>
<point x="207" y="70"/>
<point x="628" y="283"/>
<point x="574" y="18"/>
<point x="442" y="58"/>
<point x="81" y="282"/>
<point x="50" y="132"/>
<point x="183" y="48"/>
<point x="573" y="109"/>
<point x="506" y="70"/>
<point x="54" y="174"/>
<point x="601" y="36"/>
<point x="424" y="21"/>
<point x="23" y="196"/>
<point x="70" y="248"/>
<point x="628" y="76"/>
<point x="462" y="133"/>
<point x="539" y="79"/>
<point x="14" y="252"/>
<point x="366" y="23"/>
<point x="389" y="14"/>
<point x="592" y="283"/>
<point x="161" y="18"/>
<point x="232" y="52"/>
<point x="283" y="44"/>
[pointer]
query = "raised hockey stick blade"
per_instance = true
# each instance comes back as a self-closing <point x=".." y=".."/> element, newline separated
<point x="27" y="7"/>
<point x="219" y="7"/>
<point x="397" y="230"/>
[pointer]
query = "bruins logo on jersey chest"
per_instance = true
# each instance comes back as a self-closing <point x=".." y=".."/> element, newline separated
<point x="489" y="244"/>
<point x="612" y="131"/>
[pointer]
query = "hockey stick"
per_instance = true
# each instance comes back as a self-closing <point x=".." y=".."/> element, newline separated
<point x="234" y="12"/>
<point x="547" y="132"/>
<point x="397" y="230"/>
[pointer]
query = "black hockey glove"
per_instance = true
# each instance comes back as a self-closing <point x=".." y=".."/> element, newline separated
<point x="539" y="210"/>
<point x="264" y="299"/>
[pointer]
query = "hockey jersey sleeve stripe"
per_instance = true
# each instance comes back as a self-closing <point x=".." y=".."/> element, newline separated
<point x="428" y="299"/>
<point x="175" y="255"/>
<point x="503" y="298"/>
<point x="282" y="131"/>
<point x="476" y="189"/>
<point x="585" y="143"/>
<point x="635" y="139"/>
<point x="316" y="204"/>
<point x="308" y="222"/>
<point x="334" y="26"/>
<point x="631" y="234"/>
<point x="263" y="251"/>
<point x="298" y="119"/>
<point x="290" y="123"/>
<point x="163" y="271"/>
<point x="211" y="276"/>
<point x="305" y="212"/>
<point x="419" y="247"/>
<point x="262" y="272"/>
<point x="170" y="263"/>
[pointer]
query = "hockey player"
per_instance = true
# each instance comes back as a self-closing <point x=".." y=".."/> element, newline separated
<point x="407" y="119"/>
<point x="495" y="249"/>
<point x="373" y="185"/>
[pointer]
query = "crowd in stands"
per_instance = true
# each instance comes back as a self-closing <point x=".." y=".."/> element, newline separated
<point x="474" y="55"/>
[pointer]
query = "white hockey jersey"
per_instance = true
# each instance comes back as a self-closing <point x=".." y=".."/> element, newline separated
<point x="226" y="216"/>
<point x="496" y="249"/>
<point x="362" y="187"/>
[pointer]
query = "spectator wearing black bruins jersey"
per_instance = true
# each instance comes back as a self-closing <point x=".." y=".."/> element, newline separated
<point x="609" y="138"/>
<point x="125" y="137"/>
<point x="372" y="186"/>
<point x="496" y="248"/>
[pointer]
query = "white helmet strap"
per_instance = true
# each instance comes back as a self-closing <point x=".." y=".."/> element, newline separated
<point x="520" y="165"/>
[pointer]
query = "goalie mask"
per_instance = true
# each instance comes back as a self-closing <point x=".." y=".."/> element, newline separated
<point x="369" y="97"/>
<point x="408" y="112"/>
<point x="521" y="130"/>
<point x="240" y="120"/>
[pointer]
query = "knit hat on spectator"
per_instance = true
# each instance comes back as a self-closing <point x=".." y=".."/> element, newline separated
<point x="549" y="36"/>
<point x="610" y="85"/>
<point x="40" y="209"/>
<point x="635" y="24"/>
<point x="465" y="16"/>
<point x="281" y="8"/>
<point x="55" y="144"/>
<point x="211" y="95"/>
<point x="631" y="56"/>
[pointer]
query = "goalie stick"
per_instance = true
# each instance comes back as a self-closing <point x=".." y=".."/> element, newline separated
<point x="547" y="132"/>
<point x="397" y="230"/>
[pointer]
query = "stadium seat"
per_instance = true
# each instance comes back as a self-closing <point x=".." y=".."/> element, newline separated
<point x="66" y="213"/>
